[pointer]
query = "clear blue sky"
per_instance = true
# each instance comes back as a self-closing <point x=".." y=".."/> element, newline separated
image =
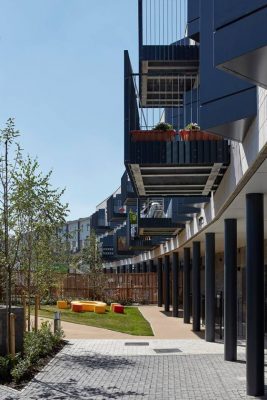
<point x="61" y="77"/>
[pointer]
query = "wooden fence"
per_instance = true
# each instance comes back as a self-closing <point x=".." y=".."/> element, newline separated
<point x="136" y="288"/>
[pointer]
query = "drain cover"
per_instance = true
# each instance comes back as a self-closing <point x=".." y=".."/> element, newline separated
<point x="162" y="351"/>
<point x="136" y="344"/>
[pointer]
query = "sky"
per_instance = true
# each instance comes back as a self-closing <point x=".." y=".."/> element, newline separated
<point x="61" y="78"/>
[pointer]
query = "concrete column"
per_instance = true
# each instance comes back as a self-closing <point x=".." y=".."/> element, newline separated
<point x="230" y="289"/>
<point x="196" y="297"/>
<point x="186" y="276"/>
<point x="160" y="287"/>
<point x="175" y="284"/>
<point x="255" y="294"/>
<point x="210" y="287"/>
<point x="167" y="282"/>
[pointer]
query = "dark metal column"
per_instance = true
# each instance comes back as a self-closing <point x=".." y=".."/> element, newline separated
<point x="255" y="294"/>
<point x="186" y="274"/>
<point x="130" y="269"/>
<point x="138" y="267"/>
<point x="210" y="287"/>
<point x="167" y="282"/>
<point x="175" y="284"/>
<point x="230" y="289"/>
<point x="151" y="266"/>
<point x="160" y="287"/>
<point x="196" y="298"/>
<point x="144" y="267"/>
<point x="118" y="270"/>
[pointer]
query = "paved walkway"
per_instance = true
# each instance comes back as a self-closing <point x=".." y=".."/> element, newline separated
<point x="184" y="368"/>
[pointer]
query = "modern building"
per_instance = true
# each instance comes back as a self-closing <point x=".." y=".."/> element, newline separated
<point x="203" y="183"/>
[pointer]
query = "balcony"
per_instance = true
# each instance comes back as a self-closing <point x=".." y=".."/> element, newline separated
<point x="178" y="168"/>
<point x="168" y="63"/>
<point x="168" y="163"/>
<point x="98" y="222"/>
<point x="116" y="212"/>
<point x="128" y="196"/>
<point x="240" y="40"/>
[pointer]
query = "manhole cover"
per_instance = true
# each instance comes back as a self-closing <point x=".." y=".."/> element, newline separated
<point x="160" y="351"/>
<point x="136" y="344"/>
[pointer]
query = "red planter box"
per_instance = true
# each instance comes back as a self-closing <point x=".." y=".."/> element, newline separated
<point x="152" y="136"/>
<point x="118" y="309"/>
<point x="190" y="135"/>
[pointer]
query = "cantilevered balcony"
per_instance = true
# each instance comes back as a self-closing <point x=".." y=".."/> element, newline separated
<point x="173" y="162"/>
<point x="115" y="209"/>
<point x="168" y="62"/>
<point x="98" y="221"/>
<point x="240" y="39"/>
<point x="128" y="196"/>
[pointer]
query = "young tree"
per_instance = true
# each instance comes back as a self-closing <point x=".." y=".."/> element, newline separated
<point x="39" y="213"/>
<point x="91" y="263"/>
<point x="9" y="158"/>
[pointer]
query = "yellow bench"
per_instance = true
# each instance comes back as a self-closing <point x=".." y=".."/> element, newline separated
<point x="62" y="304"/>
<point x="99" y="309"/>
<point x="90" y="305"/>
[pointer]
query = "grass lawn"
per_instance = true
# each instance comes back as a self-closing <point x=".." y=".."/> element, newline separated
<point x="131" y="322"/>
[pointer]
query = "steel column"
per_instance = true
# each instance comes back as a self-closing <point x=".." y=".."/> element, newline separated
<point x="167" y="282"/>
<point x="230" y="289"/>
<point x="151" y="266"/>
<point x="160" y="287"/>
<point x="255" y="294"/>
<point x="196" y="297"/>
<point x="175" y="284"/>
<point x="144" y="267"/>
<point x="186" y="294"/>
<point x="210" y="287"/>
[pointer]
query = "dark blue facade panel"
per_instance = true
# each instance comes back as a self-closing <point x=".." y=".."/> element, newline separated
<point x="215" y="84"/>
<point x="193" y="13"/>
<point x="193" y="10"/>
<point x="241" y="48"/>
<point x="230" y="116"/>
<point x="227" y="11"/>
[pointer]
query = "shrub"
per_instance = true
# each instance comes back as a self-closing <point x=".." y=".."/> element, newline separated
<point x="36" y="346"/>
<point x="163" y="126"/>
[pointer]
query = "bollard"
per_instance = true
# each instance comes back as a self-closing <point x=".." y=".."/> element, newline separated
<point x="12" y="334"/>
<point x="57" y="321"/>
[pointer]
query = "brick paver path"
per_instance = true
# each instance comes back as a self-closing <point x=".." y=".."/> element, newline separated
<point x="109" y="369"/>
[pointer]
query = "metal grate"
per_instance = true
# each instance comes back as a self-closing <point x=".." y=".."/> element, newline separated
<point x="136" y="344"/>
<point x="167" y="351"/>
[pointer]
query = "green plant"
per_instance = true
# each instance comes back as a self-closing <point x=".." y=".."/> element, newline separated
<point x="36" y="346"/>
<point x="163" y="126"/>
<point x="7" y="363"/>
<point x="193" y="126"/>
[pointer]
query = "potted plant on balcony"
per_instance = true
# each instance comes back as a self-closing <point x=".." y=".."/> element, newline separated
<point x="162" y="132"/>
<point x="192" y="132"/>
